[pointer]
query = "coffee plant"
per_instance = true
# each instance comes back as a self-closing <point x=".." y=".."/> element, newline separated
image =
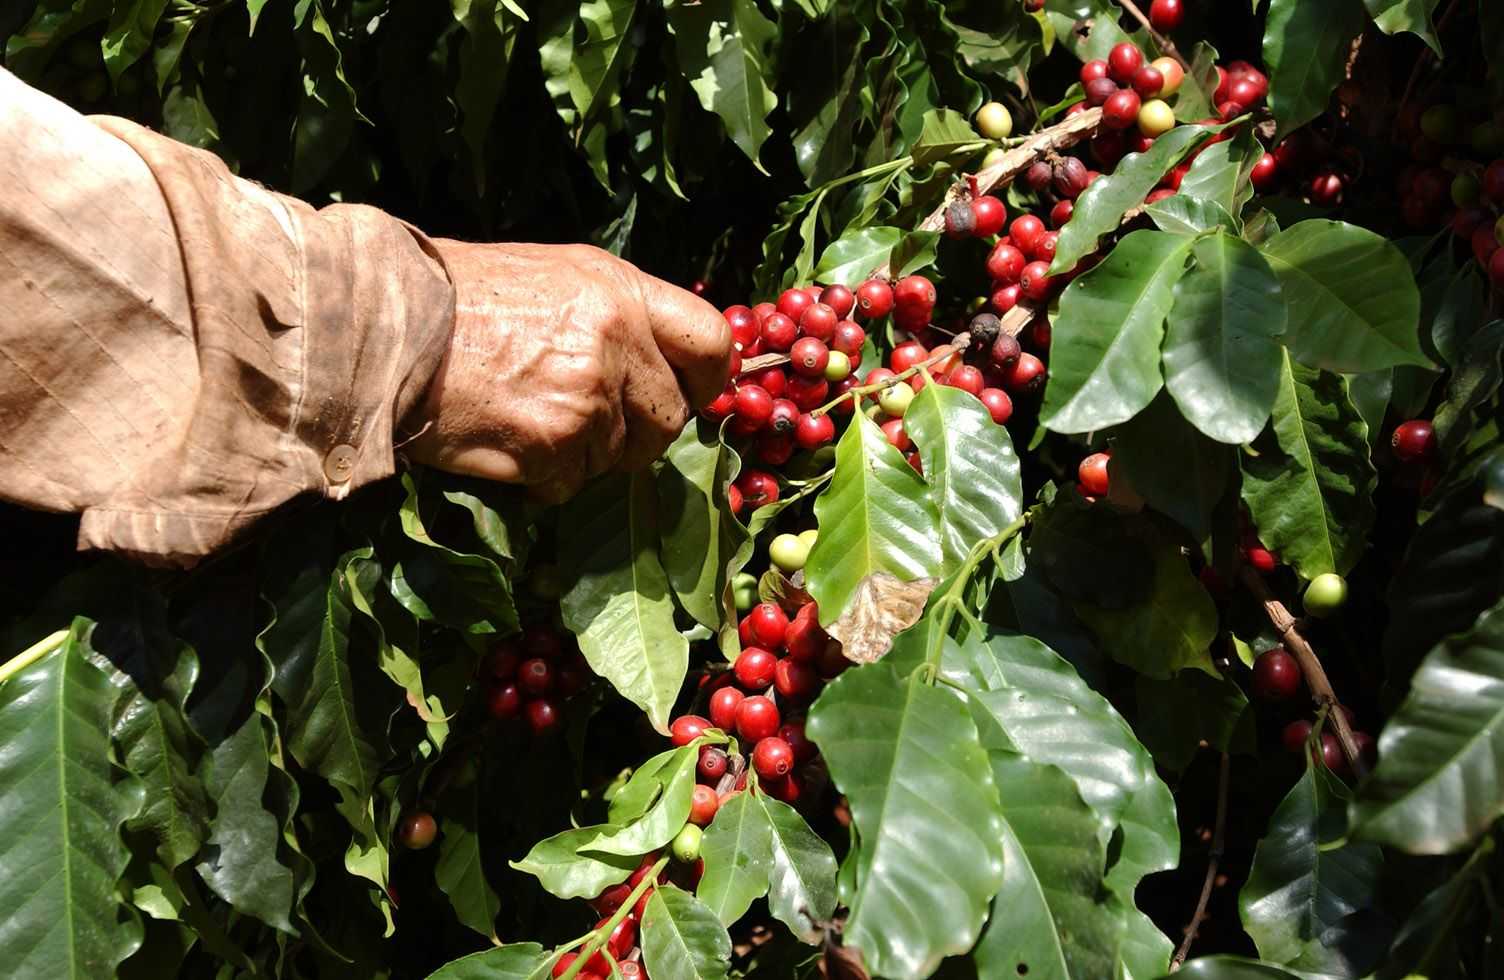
<point x="1092" y="568"/>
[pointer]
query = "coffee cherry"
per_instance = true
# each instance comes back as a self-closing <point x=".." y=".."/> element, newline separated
<point x="819" y="322"/>
<point x="848" y="338"/>
<point x="1092" y="474"/>
<point x="1170" y="70"/>
<point x="1099" y="90"/>
<point x="805" y="640"/>
<point x="983" y="329"/>
<point x="542" y="716"/>
<point x="895" y="399"/>
<point x="503" y="703"/>
<point x="713" y="760"/>
<point x="965" y="377"/>
<point x="754" y="405"/>
<point x="779" y="331"/>
<point x="792" y="303"/>
<point x="1493" y="181"/>
<point x="757" y="487"/>
<point x="1005" y="263"/>
<point x="1326" y="190"/>
<point x="994" y="121"/>
<point x="686" y="844"/>
<point x="535" y="676"/>
<point x="1026" y="376"/>
<point x="915" y="293"/>
<point x="773" y="758"/>
<point x="1368" y="749"/>
<point x="703" y="802"/>
<point x="905" y="356"/>
<point x="1413" y="441"/>
<point x="809" y="356"/>
<point x="501" y="663"/>
<point x="1061" y="213"/>
<point x="874" y="298"/>
<point x="795" y="680"/>
<point x="743" y="323"/>
<point x="768" y="624"/>
<point x="1325" y="595"/>
<point x="1148" y="82"/>
<point x="1123" y="61"/>
<point x="1005" y="298"/>
<point x="686" y="728"/>
<point x="997" y="403"/>
<point x="990" y="214"/>
<point x="1276" y="675"/>
<point x="1045" y="250"/>
<point x="814" y="431"/>
<point x="1025" y="233"/>
<point x="1005" y="351"/>
<point x="1121" y="111"/>
<point x="839" y="298"/>
<point x="1293" y="736"/>
<point x="960" y="221"/>
<point x="1038" y="176"/>
<point x="785" y="413"/>
<point x="788" y="552"/>
<point x="417" y="830"/>
<point x="1070" y="177"/>
<point x="1155" y="118"/>
<point x="1245" y="91"/>
<point x="757" y="718"/>
<point x="1036" y="282"/>
<point x="1331" y="753"/>
<point x="754" y="668"/>
<point x="897" y="437"/>
<point x="723" y="705"/>
<point x="1166" y="15"/>
<point x="1262" y="559"/>
<point x="1094" y="69"/>
<point x="566" y="961"/>
<point x="608" y="901"/>
<point x="1265" y="174"/>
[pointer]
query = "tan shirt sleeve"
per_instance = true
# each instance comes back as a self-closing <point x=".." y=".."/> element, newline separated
<point x="182" y="351"/>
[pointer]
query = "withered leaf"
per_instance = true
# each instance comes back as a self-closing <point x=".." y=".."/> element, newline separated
<point x="882" y="607"/>
<point x="786" y="592"/>
<point x="842" y="962"/>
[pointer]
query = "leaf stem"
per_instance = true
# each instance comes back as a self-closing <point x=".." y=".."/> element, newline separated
<point x="1310" y="665"/>
<point x="599" y="936"/>
<point x="32" y="654"/>
<point x="945" y="607"/>
<point x="1214" y="858"/>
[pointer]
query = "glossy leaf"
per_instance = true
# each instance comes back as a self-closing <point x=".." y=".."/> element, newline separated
<point x="851" y="259"/>
<point x="946" y="134"/>
<point x="1305" y="50"/>
<point x="130" y="33"/>
<point x="485" y="57"/>
<point x="696" y="546"/>
<point x="723" y="53"/>
<point x="1191" y="708"/>
<point x="619" y="606"/>
<point x="565" y="872"/>
<point x="1353" y="302"/>
<point x="970" y="466"/>
<point x="1100" y="208"/>
<point x="1309" y="488"/>
<point x="1104" y="364"/>
<point x="1305" y="880"/>
<point x="1178" y="471"/>
<point x="802" y="880"/>
<point x="1218" y="176"/>
<point x="1089" y="553"/>
<point x="1231" y="968"/>
<point x="738" y="853"/>
<point x="925" y="808"/>
<point x="460" y="872"/>
<point x="584" y="52"/>
<point x="669" y="788"/>
<point x="876" y="516"/>
<point x="1181" y="215"/>
<point x="681" y="938"/>
<point x="60" y="831"/>
<point x="514" y="961"/>
<point x="1439" y="782"/>
<point x="1222" y="356"/>
<point x="1414" y="16"/>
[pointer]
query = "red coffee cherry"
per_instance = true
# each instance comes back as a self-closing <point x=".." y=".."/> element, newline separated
<point x="757" y="718"/>
<point x="768" y="624"/>
<point x="792" y="732"/>
<point x="1245" y="91"/>
<point x="703" y="803"/>
<point x="795" y="680"/>
<point x="894" y="432"/>
<point x="1005" y="263"/>
<point x="1262" y="559"/>
<point x="965" y="377"/>
<point x="1092" y="70"/>
<point x="1005" y="351"/>
<point x="1265" y="174"/>
<point x="874" y="298"/>
<point x="686" y="728"/>
<point x="809" y="356"/>
<point x="535" y="676"/>
<point x="503" y="703"/>
<point x="906" y="355"/>
<point x="1099" y="90"/>
<point x="1148" y="82"/>
<point x="723" y="707"/>
<point x="848" y="338"/>
<point x="998" y="404"/>
<point x="804" y="640"/>
<point x="1331" y="754"/>
<point x="914" y="292"/>
<point x="1061" y="213"/>
<point x="754" y="669"/>
<point x="542" y="716"/>
<point x="808" y="393"/>
<point x="417" y="830"/>
<point x="1413" y="441"/>
<point x="819" y="322"/>
<point x="713" y="761"/>
<point x="1123" y="61"/>
<point x="773" y="758"/>
<point x="1070" y="178"/>
<point x="1025" y="232"/>
<point x="1038" y="176"/>
<point x="792" y="304"/>
<point x="990" y="214"/>
<point x="1027" y="375"/>
<point x="1118" y="112"/>
<point x="1166" y="15"/>
<point x="1276" y="675"/>
<point x="785" y="413"/>
<point x="838" y="298"/>
<point x="754" y="406"/>
<point x="1293" y="736"/>
<point x="1005" y="298"/>
<point x="1326" y="190"/>
<point x="1045" y="250"/>
<point x="744" y="325"/>
<point x="757" y="487"/>
<point x="501" y="663"/>
<point x="611" y="899"/>
<point x="779" y="332"/>
<point x="1092" y="474"/>
<point x="814" y="431"/>
<point x="1036" y="282"/>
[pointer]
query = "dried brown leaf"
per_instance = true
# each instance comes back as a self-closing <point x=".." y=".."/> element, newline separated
<point x="882" y="607"/>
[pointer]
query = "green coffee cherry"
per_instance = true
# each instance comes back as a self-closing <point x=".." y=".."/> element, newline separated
<point x="788" y="552"/>
<point x="895" y="399"/>
<point x="744" y="591"/>
<point x="837" y="367"/>
<point x="1466" y="190"/>
<point x="1326" y="594"/>
<point x="1441" y="124"/>
<point x="809" y="537"/>
<point x="686" y="845"/>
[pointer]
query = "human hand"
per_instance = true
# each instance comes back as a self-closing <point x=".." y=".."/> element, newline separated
<point x="565" y="362"/>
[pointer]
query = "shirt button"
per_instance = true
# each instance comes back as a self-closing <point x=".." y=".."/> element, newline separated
<point x="340" y="463"/>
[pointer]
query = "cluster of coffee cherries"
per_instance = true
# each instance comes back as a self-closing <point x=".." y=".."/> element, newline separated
<point x="1131" y="92"/>
<point x="1456" y="176"/>
<point x="1277" y="679"/>
<point x="621" y="943"/>
<point x="531" y="674"/>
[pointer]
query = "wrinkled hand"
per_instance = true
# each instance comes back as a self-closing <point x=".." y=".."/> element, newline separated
<point x="564" y="363"/>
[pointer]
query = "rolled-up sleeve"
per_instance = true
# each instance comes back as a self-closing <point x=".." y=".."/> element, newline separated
<point x="183" y="351"/>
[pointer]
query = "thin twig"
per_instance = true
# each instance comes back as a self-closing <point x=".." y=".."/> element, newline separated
<point x="1310" y="666"/>
<point x="957" y="346"/>
<point x="1160" y="41"/>
<point x="1213" y="859"/>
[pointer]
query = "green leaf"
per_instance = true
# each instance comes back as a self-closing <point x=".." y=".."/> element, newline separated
<point x="514" y="961"/>
<point x="1353" y="302"/>
<point x="1052" y="918"/>
<point x="696" y="547"/>
<point x="467" y="591"/>
<point x="1305" y="880"/>
<point x="566" y="873"/>
<point x="129" y="35"/>
<point x="460" y="872"/>
<point x="1105" y="367"/>
<point x="583" y="76"/>
<point x="723" y="53"/>
<point x="851" y="258"/>
<point x="876" y="516"/>
<point x="738" y="854"/>
<point x="683" y="939"/>
<point x="1428" y="942"/>
<point x="326" y="111"/>
<point x="826" y="106"/>
<point x="1231" y="968"/>
<point x="925" y="808"/>
<point x="1181" y="215"/>
<point x="1193" y="102"/>
<point x="1089" y="553"/>
<point x="619" y="606"/>
<point x="970" y="466"/>
<point x="915" y="251"/>
<point x="802" y="880"/>
<point x="1100" y="208"/>
<point x="1305" y="49"/>
<point x="1222" y="357"/>
<point x="946" y="136"/>
<point x="485" y="58"/>
<point x="1439" y="784"/>
<point x="60" y="831"/>
<point x="1178" y="471"/>
<point x="671" y="787"/>
<point x="1309" y="488"/>
<point x="1220" y="175"/>
<point x="1394" y="16"/>
<point x="1191" y="708"/>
